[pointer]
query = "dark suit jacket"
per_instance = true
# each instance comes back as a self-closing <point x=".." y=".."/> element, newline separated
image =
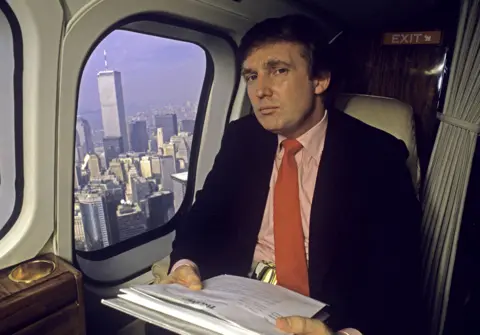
<point x="364" y="227"/>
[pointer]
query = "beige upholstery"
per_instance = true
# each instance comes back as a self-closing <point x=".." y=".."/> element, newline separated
<point x="389" y="115"/>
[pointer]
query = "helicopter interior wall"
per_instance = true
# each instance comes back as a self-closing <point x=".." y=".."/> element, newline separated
<point x="414" y="74"/>
<point x="418" y="75"/>
<point x="43" y="26"/>
<point x="369" y="13"/>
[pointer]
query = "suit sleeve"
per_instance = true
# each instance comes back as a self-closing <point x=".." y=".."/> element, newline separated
<point x="391" y="291"/>
<point x="202" y="231"/>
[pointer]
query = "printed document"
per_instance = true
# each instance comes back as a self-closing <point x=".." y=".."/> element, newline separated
<point x="226" y="305"/>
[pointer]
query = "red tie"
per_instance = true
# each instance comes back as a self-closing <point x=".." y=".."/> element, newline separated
<point x="290" y="258"/>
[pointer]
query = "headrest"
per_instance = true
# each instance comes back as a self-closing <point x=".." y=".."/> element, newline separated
<point x="389" y="115"/>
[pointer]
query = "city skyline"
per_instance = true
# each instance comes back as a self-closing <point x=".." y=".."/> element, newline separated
<point x="148" y="83"/>
<point x="131" y="165"/>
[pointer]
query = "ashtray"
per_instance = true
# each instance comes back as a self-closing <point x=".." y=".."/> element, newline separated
<point x="31" y="271"/>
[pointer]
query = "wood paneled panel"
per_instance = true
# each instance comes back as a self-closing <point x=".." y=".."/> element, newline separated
<point x="63" y="322"/>
<point x="36" y="302"/>
<point x="410" y="73"/>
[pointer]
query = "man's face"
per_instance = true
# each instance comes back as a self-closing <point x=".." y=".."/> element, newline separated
<point x="284" y="97"/>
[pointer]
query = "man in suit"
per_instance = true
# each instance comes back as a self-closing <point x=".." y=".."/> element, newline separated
<point x="326" y="197"/>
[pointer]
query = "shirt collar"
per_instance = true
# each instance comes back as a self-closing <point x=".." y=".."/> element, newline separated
<point x="313" y="140"/>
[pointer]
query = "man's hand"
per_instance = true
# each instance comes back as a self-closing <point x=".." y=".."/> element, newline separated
<point x="302" y="326"/>
<point x="185" y="275"/>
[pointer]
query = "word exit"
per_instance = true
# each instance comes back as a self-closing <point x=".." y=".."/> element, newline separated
<point x="421" y="37"/>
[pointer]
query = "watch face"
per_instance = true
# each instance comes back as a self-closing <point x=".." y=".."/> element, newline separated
<point x="266" y="272"/>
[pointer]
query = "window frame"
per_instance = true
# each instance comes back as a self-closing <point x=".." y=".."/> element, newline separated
<point x="17" y="46"/>
<point x="41" y="27"/>
<point x="94" y="263"/>
<point x="133" y="242"/>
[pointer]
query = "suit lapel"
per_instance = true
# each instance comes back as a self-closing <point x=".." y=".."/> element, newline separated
<point x="253" y="193"/>
<point x="261" y="172"/>
<point x="326" y="218"/>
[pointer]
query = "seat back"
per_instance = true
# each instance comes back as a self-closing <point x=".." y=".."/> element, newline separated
<point x="389" y="115"/>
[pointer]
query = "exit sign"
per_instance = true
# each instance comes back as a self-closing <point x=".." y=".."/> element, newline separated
<point x="413" y="38"/>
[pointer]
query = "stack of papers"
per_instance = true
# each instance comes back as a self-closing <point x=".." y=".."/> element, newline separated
<point x="226" y="305"/>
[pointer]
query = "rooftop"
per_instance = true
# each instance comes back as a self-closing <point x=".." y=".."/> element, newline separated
<point x="182" y="176"/>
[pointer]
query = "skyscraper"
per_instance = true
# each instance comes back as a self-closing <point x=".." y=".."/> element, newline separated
<point x="114" y="190"/>
<point x="160" y="141"/>
<point x="161" y="208"/>
<point x="94" y="166"/>
<point x="79" y="153"/>
<point x="153" y="146"/>
<point x="169" y="125"/>
<point x="146" y="167"/>
<point x="117" y="168"/>
<point x="141" y="188"/>
<point x="168" y="149"/>
<point x="94" y="216"/>
<point x="168" y="167"/>
<point x="85" y="137"/>
<point x="131" y="221"/>
<point x="138" y="135"/>
<point x="179" y="188"/>
<point x="113" y="147"/>
<point x="187" y="126"/>
<point x="156" y="168"/>
<point x="77" y="177"/>
<point x="79" y="232"/>
<point x="181" y="146"/>
<point x="113" y="108"/>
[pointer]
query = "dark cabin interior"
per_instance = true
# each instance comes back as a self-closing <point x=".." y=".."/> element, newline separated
<point x="417" y="75"/>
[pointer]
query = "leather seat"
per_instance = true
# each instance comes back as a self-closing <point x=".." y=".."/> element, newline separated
<point x="389" y="115"/>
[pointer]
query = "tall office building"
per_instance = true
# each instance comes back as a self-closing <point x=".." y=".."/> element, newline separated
<point x="113" y="147"/>
<point x="84" y="136"/>
<point x="179" y="188"/>
<point x="168" y="166"/>
<point x="126" y="161"/>
<point x="146" y="167"/>
<point x="189" y="143"/>
<point x="130" y="221"/>
<point x="182" y="148"/>
<point x="113" y="108"/>
<point x="169" y="149"/>
<point x="131" y="173"/>
<point x="79" y="233"/>
<point x="117" y="168"/>
<point x="79" y="153"/>
<point x="141" y="188"/>
<point x="93" y="210"/>
<point x="138" y="135"/>
<point x="101" y="156"/>
<point x="187" y="126"/>
<point x="161" y="208"/>
<point x="114" y="190"/>
<point x="160" y="141"/>
<point x="77" y="177"/>
<point x="156" y="168"/>
<point x="153" y="146"/>
<point x="94" y="166"/>
<point x="169" y="125"/>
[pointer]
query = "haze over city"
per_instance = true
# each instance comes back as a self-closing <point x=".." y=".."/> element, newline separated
<point x="155" y="72"/>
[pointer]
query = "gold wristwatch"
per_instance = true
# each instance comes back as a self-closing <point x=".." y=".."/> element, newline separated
<point x="265" y="271"/>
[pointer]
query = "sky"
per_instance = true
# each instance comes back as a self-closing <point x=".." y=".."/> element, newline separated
<point x="155" y="71"/>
